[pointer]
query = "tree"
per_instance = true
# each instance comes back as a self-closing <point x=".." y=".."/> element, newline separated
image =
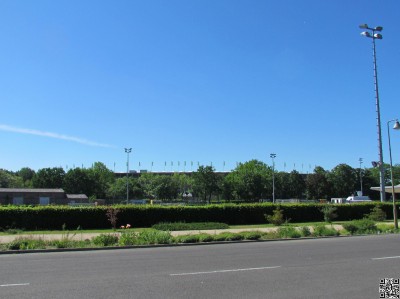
<point x="250" y="181"/>
<point x="9" y="179"/>
<point x="297" y="185"/>
<point x="49" y="178"/>
<point x="205" y="182"/>
<point x="343" y="179"/>
<point x="317" y="185"/>
<point x="117" y="190"/>
<point x="101" y="178"/>
<point x="26" y="174"/>
<point x="78" y="181"/>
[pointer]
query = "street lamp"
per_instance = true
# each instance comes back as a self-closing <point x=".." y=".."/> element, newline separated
<point x="396" y="127"/>
<point x="361" y="187"/>
<point x="273" y="156"/>
<point x="127" y="151"/>
<point x="372" y="34"/>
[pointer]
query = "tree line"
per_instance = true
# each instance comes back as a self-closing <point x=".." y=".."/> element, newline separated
<point x="250" y="181"/>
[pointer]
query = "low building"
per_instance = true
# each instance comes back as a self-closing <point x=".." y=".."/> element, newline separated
<point x="26" y="196"/>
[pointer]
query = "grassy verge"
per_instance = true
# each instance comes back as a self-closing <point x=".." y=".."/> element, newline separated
<point x="129" y="237"/>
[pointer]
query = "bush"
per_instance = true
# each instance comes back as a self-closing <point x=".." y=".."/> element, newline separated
<point x="253" y="235"/>
<point x="24" y="243"/>
<point x="322" y="231"/>
<point x="288" y="232"/>
<point x="205" y="238"/>
<point x="363" y="226"/>
<point x="105" y="240"/>
<point x="329" y="213"/>
<point x="151" y="236"/>
<point x="94" y="217"/>
<point x="276" y="218"/>
<point x="377" y="214"/>
<point x="127" y="238"/>
<point x="187" y="239"/>
<point x="305" y="231"/>
<point x="178" y="226"/>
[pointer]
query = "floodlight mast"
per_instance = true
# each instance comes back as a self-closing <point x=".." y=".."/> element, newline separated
<point x="372" y="34"/>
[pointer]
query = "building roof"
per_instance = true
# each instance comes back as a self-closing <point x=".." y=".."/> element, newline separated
<point x="31" y="190"/>
<point x="76" y="196"/>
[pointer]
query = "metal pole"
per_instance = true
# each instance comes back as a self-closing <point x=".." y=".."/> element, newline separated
<point x="273" y="176"/>
<point x="391" y="178"/>
<point x="361" y="186"/>
<point x="127" y="151"/>
<point x="378" y="119"/>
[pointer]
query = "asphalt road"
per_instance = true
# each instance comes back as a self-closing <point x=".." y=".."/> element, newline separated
<point x="317" y="268"/>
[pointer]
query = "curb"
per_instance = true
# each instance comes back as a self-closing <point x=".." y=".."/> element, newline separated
<point x="5" y="252"/>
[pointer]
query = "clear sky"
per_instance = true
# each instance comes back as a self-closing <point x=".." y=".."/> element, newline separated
<point x="208" y="81"/>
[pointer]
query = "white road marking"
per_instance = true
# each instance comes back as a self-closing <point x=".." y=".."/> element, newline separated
<point x="14" y="284"/>
<point x="386" y="258"/>
<point x="224" y="271"/>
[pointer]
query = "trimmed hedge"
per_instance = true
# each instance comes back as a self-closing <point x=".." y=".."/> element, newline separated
<point x="54" y="217"/>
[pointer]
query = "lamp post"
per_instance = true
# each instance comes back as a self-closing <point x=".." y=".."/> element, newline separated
<point x="273" y="156"/>
<point x="127" y="151"/>
<point x="361" y="187"/>
<point x="371" y="33"/>
<point x="396" y="127"/>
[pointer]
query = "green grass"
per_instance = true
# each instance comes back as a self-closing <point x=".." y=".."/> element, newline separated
<point x="55" y="232"/>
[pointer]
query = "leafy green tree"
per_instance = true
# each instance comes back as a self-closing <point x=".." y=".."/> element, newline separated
<point x="205" y="182"/>
<point x="78" y="181"/>
<point x="26" y="174"/>
<point x="101" y="179"/>
<point x="9" y="180"/>
<point x="297" y="185"/>
<point x="250" y="181"/>
<point x="49" y="178"/>
<point x="117" y="190"/>
<point x="282" y="185"/>
<point x="343" y="179"/>
<point x="165" y="187"/>
<point x="317" y="185"/>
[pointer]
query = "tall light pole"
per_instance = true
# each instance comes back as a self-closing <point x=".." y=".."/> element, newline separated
<point x="361" y="188"/>
<point x="127" y="151"/>
<point x="396" y="127"/>
<point x="273" y="156"/>
<point x="372" y="34"/>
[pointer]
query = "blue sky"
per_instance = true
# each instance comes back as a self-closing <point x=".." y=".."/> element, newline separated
<point x="203" y="81"/>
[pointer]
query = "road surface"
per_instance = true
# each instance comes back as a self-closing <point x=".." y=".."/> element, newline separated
<point x="345" y="267"/>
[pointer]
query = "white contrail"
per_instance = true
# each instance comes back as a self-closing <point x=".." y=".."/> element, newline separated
<point x="51" y="135"/>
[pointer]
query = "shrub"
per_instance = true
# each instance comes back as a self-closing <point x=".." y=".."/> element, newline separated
<point x="329" y="212"/>
<point x="363" y="226"/>
<point x="377" y="214"/>
<point x="151" y="236"/>
<point x="305" y="231"/>
<point x="127" y="238"/>
<point x="24" y="243"/>
<point x="321" y="231"/>
<point x="253" y="235"/>
<point x="178" y="226"/>
<point x="105" y="240"/>
<point x="288" y="232"/>
<point x="228" y="236"/>
<point x="276" y="218"/>
<point x="187" y="239"/>
<point x="205" y="238"/>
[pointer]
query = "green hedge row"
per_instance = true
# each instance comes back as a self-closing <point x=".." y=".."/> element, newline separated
<point x="54" y="217"/>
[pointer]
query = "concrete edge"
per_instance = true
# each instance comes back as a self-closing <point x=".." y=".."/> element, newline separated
<point x="164" y="245"/>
